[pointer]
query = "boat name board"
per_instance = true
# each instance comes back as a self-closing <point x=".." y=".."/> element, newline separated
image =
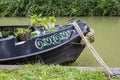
<point x="54" y="39"/>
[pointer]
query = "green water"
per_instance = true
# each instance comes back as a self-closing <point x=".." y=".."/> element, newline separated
<point x="107" y="39"/>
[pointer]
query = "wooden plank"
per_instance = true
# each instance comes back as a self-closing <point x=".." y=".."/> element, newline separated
<point x="115" y="71"/>
<point x="10" y="66"/>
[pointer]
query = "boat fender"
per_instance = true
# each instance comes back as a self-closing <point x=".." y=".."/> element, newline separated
<point x="90" y="36"/>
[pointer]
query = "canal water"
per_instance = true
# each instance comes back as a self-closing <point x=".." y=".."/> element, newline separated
<point x="107" y="38"/>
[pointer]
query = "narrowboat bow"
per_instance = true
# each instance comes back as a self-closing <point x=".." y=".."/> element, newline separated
<point x="59" y="47"/>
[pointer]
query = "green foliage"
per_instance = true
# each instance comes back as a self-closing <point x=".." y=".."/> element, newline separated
<point x="7" y="32"/>
<point x="20" y="31"/>
<point x="38" y="21"/>
<point x="60" y="7"/>
<point x="51" y="72"/>
<point x="52" y="19"/>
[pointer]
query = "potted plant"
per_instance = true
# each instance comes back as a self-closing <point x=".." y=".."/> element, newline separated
<point x="51" y="21"/>
<point x="39" y="24"/>
<point x="22" y="34"/>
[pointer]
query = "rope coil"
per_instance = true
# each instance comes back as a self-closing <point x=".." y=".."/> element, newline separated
<point x="90" y="36"/>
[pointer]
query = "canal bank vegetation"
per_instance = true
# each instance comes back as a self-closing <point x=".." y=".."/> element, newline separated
<point x="60" y="7"/>
<point x="51" y="72"/>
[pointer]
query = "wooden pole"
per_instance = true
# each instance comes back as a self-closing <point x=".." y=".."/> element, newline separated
<point x="93" y="51"/>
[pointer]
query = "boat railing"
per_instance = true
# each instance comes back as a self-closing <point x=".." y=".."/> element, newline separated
<point x="7" y="38"/>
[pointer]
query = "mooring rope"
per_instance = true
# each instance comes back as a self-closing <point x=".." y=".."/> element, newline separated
<point x="94" y="52"/>
<point x="90" y="36"/>
<point x="116" y="77"/>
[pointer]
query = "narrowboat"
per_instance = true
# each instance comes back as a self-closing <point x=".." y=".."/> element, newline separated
<point x="59" y="47"/>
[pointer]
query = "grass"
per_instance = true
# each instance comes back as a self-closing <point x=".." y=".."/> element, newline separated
<point x="51" y="72"/>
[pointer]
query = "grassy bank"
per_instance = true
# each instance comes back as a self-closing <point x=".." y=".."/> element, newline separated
<point x="60" y="7"/>
<point x="52" y="72"/>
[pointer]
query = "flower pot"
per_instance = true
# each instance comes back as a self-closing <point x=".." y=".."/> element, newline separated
<point x="51" y="25"/>
<point x="24" y="37"/>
